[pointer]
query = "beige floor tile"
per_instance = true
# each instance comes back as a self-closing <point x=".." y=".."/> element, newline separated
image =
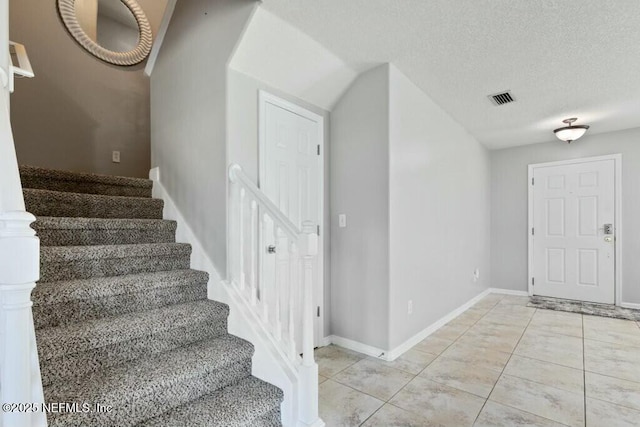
<point x="605" y="414"/>
<point x="550" y="374"/>
<point x="432" y="345"/>
<point x="515" y="300"/>
<point x="514" y="310"/>
<point x="612" y="359"/>
<point x="560" y="349"/>
<point x="496" y="415"/>
<point x="613" y="390"/>
<point x="412" y="361"/>
<point x="557" y="322"/>
<point x="462" y="375"/>
<point x="468" y="318"/>
<point x="392" y="416"/>
<point x="451" y="332"/>
<point x="333" y="359"/>
<point x="507" y="320"/>
<point x="489" y="300"/>
<point x="341" y="406"/>
<point x="373" y="378"/>
<point x="443" y="405"/>
<point x="615" y="331"/>
<point x="484" y="358"/>
<point x="539" y="399"/>
<point x="321" y="379"/>
<point x="497" y="337"/>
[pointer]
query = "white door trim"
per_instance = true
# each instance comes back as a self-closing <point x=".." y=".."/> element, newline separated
<point x="617" y="158"/>
<point x="264" y="98"/>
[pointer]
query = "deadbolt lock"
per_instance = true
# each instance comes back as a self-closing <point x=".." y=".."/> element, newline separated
<point x="608" y="229"/>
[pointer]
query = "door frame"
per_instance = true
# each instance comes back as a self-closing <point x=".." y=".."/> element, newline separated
<point x="617" y="158"/>
<point x="265" y="98"/>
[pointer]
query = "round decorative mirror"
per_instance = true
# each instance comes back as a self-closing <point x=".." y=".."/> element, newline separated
<point x="116" y="31"/>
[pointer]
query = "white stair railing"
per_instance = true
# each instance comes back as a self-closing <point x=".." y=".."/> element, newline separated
<point x="21" y="394"/>
<point x="282" y="299"/>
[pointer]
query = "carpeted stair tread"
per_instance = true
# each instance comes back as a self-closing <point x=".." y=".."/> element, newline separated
<point x="82" y="262"/>
<point x="81" y="182"/>
<point x="70" y="352"/>
<point x="63" y="302"/>
<point x="240" y="405"/>
<point x="70" y="231"/>
<point x="77" y="337"/>
<point x="150" y="386"/>
<point x="63" y="204"/>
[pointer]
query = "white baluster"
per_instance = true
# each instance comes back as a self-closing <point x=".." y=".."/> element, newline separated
<point x="263" y="288"/>
<point x="19" y="270"/>
<point x="309" y="370"/>
<point x="254" y="253"/>
<point x="241" y="246"/>
<point x="282" y="276"/>
<point x="294" y="283"/>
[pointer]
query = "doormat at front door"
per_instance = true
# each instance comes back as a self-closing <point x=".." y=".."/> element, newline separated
<point x="592" y="308"/>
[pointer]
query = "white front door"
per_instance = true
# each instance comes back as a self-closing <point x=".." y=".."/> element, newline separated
<point x="573" y="230"/>
<point x="290" y="175"/>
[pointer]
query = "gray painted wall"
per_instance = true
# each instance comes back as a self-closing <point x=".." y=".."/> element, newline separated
<point x="439" y="211"/>
<point x="243" y="149"/>
<point x="77" y="109"/>
<point x="360" y="189"/>
<point x="509" y="189"/>
<point x="188" y="114"/>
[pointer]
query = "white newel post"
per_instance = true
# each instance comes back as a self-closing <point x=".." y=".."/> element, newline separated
<point x="309" y="370"/>
<point x="19" y="270"/>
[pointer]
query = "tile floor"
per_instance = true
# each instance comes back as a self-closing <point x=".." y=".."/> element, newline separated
<point x="500" y="363"/>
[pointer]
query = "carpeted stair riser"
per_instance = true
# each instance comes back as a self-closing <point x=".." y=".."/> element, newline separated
<point x="83" y="262"/>
<point x="60" y="303"/>
<point x="73" y="182"/>
<point x="148" y="387"/>
<point x="70" y="352"/>
<point x="251" y="402"/>
<point x="61" y="231"/>
<point x="53" y="203"/>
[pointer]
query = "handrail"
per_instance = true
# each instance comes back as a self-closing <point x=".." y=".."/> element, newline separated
<point x="237" y="175"/>
<point x="281" y="298"/>
<point x="24" y="65"/>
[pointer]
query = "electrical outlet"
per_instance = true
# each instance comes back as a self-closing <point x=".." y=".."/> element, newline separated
<point x="342" y="220"/>
<point x="476" y="274"/>
<point x="410" y="307"/>
<point x="115" y="156"/>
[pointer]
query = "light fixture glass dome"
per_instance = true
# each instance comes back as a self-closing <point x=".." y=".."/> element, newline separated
<point x="571" y="132"/>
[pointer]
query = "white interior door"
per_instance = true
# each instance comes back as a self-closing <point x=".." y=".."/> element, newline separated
<point x="291" y="176"/>
<point x="573" y="230"/>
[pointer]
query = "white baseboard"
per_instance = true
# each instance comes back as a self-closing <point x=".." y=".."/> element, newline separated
<point x="508" y="292"/>
<point x="630" y="305"/>
<point x="356" y="346"/>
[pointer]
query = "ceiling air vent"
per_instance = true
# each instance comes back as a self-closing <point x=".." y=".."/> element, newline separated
<point x="501" y="98"/>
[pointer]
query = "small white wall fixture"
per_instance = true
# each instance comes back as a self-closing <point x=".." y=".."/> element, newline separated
<point x="618" y="235"/>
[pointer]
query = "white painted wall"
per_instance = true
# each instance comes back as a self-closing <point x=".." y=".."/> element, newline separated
<point x="242" y="149"/>
<point x="360" y="189"/>
<point x="439" y="205"/>
<point x="509" y="204"/>
<point x="279" y="55"/>
<point x="188" y="114"/>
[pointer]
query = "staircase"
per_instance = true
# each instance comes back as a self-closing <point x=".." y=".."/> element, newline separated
<point x="123" y="323"/>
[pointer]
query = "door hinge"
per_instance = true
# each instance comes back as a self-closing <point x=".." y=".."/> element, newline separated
<point x="318" y="230"/>
<point x="533" y="231"/>
<point x="318" y="149"/>
<point x="533" y="281"/>
<point x="318" y="311"/>
<point x="533" y="181"/>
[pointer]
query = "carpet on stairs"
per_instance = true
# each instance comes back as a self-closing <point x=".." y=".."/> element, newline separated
<point x="123" y="322"/>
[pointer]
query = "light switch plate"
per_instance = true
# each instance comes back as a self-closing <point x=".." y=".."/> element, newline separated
<point x="342" y="220"/>
<point x="115" y="156"/>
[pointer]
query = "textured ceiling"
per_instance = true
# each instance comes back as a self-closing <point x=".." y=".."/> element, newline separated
<point x="559" y="58"/>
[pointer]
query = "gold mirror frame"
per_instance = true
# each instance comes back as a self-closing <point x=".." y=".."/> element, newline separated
<point x="67" y="11"/>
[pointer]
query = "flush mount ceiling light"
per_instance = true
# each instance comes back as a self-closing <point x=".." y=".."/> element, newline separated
<point x="570" y="133"/>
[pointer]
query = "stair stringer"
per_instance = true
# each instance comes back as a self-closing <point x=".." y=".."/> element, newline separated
<point x="268" y="362"/>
